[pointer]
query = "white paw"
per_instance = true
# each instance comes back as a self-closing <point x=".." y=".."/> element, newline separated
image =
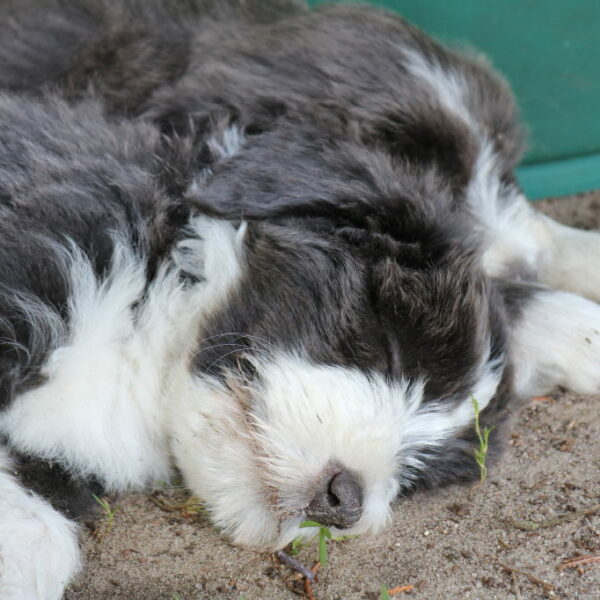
<point x="212" y="255"/>
<point x="39" y="553"/>
<point x="558" y="344"/>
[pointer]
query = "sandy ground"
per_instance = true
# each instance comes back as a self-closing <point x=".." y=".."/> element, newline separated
<point x="451" y="544"/>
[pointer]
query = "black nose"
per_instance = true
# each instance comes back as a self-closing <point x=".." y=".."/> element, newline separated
<point x="339" y="504"/>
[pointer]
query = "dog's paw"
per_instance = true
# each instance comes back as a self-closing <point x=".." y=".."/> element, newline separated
<point x="211" y="256"/>
<point x="39" y="552"/>
<point x="557" y="343"/>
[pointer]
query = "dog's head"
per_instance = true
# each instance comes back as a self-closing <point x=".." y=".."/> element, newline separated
<point x="339" y="364"/>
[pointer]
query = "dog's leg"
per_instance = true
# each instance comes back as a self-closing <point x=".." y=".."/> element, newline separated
<point x="523" y="243"/>
<point x="570" y="259"/>
<point x="558" y="256"/>
<point x="39" y="552"/>
<point x="555" y="340"/>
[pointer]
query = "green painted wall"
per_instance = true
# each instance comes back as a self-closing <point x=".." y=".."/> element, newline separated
<point x="550" y="52"/>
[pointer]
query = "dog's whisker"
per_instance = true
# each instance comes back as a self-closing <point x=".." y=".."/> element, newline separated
<point x="237" y="335"/>
<point x="225" y="344"/>
<point x="209" y="368"/>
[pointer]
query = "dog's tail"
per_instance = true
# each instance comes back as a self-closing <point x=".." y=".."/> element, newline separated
<point x="122" y="49"/>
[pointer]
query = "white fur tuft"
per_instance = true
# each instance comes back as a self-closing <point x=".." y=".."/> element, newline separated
<point x="39" y="553"/>
<point x="223" y="146"/>
<point x="448" y="85"/>
<point x="100" y="411"/>
<point x="512" y="232"/>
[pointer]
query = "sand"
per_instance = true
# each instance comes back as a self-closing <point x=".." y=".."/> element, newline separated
<point x="451" y="544"/>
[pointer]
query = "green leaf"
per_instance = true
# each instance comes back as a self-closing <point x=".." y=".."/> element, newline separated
<point x="323" y="559"/>
<point x="343" y="538"/>
<point x="305" y="524"/>
<point x="384" y="595"/>
<point x="296" y="546"/>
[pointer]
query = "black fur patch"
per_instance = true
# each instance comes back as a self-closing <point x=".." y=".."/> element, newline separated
<point x="76" y="498"/>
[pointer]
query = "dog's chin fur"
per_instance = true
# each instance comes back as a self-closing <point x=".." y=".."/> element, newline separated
<point x="265" y="248"/>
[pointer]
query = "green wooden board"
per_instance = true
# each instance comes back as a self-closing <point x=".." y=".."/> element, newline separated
<point x="549" y="50"/>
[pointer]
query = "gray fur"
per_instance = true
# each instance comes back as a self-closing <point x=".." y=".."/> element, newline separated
<point x="363" y="247"/>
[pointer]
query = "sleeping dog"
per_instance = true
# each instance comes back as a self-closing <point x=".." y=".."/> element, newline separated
<point x="276" y="250"/>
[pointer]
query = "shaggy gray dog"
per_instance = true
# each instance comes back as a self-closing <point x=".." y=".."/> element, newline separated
<point x="278" y="250"/>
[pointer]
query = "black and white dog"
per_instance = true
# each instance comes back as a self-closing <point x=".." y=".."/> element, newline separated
<point x="275" y="249"/>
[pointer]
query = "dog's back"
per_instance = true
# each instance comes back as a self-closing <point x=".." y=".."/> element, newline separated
<point x="123" y="50"/>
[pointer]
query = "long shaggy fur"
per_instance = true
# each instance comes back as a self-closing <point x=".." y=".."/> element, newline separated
<point x="278" y="250"/>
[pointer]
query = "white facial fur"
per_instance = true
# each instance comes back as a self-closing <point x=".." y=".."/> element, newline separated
<point x="256" y="453"/>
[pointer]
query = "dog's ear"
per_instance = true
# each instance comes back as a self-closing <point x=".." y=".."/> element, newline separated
<point x="201" y="133"/>
<point x="293" y="170"/>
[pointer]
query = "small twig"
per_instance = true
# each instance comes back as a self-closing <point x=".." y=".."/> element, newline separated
<point x="547" y="586"/>
<point x="577" y="561"/>
<point x="308" y="591"/>
<point x="164" y="505"/>
<point x="475" y="487"/>
<point x="189" y="507"/>
<point x="525" y="525"/>
<point x="516" y="587"/>
<point x="503" y="544"/>
<point x="521" y="524"/>
<point x="296" y="565"/>
<point x="400" y="589"/>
